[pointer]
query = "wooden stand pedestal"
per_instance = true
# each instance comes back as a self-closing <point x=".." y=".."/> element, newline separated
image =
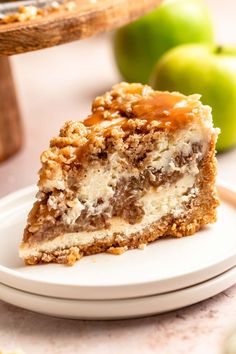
<point x="10" y="124"/>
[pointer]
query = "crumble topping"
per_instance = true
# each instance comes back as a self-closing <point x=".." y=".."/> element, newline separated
<point x="77" y="140"/>
<point x="31" y="12"/>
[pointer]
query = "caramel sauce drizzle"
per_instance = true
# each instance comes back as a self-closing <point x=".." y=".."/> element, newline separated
<point x="94" y="119"/>
<point x="160" y="106"/>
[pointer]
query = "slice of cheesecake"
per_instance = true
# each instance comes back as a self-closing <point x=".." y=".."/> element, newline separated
<point x="140" y="167"/>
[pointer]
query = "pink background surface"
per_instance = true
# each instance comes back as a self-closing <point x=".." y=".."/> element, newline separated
<point x="58" y="84"/>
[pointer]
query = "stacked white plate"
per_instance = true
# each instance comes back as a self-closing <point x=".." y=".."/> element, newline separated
<point x="166" y="275"/>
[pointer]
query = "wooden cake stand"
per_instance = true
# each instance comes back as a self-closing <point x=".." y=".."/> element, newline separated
<point x="57" y="27"/>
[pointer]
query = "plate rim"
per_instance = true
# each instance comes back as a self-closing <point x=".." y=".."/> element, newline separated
<point x="214" y="286"/>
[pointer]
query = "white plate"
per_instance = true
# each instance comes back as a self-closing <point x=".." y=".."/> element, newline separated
<point x="165" y="265"/>
<point x="117" y="309"/>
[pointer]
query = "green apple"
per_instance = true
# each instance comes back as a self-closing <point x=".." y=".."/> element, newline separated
<point x="209" y="71"/>
<point x="140" y="44"/>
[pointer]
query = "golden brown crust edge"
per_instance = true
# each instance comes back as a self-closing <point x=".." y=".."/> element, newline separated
<point x="202" y="212"/>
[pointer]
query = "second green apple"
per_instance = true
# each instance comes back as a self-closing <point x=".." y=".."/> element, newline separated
<point x="209" y="71"/>
<point x="140" y="44"/>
